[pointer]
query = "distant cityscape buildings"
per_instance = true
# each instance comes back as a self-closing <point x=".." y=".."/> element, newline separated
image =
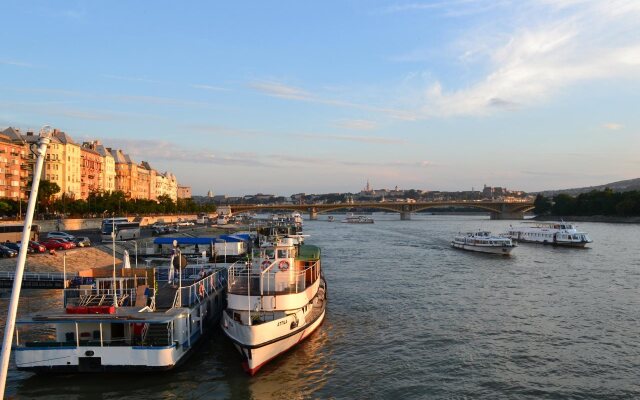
<point x="368" y="194"/>
<point x="79" y="169"/>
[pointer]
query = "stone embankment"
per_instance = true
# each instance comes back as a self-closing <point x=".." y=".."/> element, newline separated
<point x="74" y="224"/>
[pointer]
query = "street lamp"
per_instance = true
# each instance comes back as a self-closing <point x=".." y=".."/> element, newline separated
<point x="43" y="141"/>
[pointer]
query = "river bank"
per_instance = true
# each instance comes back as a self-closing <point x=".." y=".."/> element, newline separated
<point x="590" y="218"/>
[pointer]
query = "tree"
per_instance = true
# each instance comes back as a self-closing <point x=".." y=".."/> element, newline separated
<point x="542" y="204"/>
<point x="46" y="190"/>
<point x="564" y="205"/>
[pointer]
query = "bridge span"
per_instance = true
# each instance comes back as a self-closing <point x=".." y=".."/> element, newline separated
<point x="497" y="209"/>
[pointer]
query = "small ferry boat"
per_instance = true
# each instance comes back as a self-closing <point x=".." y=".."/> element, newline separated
<point x="275" y="300"/>
<point x="294" y="219"/>
<point x="330" y="218"/>
<point x="357" y="219"/>
<point x="483" y="242"/>
<point x="119" y="322"/>
<point x="555" y="233"/>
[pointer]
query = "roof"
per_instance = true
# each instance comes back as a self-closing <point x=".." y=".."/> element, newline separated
<point x="202" y="240"/>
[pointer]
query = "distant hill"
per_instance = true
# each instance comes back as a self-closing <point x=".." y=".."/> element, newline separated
<point x="620" y="186"/>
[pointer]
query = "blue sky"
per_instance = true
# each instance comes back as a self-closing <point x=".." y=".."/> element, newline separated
<point x="294" y="96"/>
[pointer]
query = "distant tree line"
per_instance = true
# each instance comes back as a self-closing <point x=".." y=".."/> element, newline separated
<point x="99" y="204"/>
<point x="596" y="202"/>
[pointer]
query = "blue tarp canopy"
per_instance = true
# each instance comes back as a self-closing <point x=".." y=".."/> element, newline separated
<point x="242" y="237"/>
<point x="184" y="240"/>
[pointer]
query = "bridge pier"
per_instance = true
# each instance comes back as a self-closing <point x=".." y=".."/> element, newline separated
<point x="313" y="215"/>
<point x="405" y="216"/>
<point x="507" y="215"/>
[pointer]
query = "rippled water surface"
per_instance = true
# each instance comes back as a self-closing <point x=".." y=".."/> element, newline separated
<point x="410" y="317"/>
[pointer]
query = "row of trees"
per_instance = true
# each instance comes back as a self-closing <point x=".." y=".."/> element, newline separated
<point x="596" y="202"/>
<point x="100" y="203"/>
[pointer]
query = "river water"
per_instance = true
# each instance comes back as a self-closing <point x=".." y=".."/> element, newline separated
<point x="410" y="318"/>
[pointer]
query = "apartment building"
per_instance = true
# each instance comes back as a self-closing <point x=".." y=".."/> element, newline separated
<point x="184" y="192"/>
<point x="78" y="169"/>
<point x="90" y="171"/>
<point x="14" y="170"/>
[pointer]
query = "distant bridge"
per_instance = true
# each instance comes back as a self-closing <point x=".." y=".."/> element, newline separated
<point x="497" y="209"/>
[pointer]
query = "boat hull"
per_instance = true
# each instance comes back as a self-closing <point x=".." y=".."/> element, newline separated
<point x="257" y="354"/>
<point x="262" y="355"/>
<point x="556" y="243"/>
<point x="501" y="250"/>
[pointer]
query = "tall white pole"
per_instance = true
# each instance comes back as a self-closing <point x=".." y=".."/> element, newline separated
<point x="43" y="141"/>
<point x="113" y="246"/>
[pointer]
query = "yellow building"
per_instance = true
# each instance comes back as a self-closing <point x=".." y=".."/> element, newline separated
<point x="68" y="153"/>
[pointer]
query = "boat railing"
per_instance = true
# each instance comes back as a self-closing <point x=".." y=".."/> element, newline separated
<point x="196" y="292"/>
<point x="245" y="280"/>
<point x="99" y="297"/>
<point x="32" y="335"/>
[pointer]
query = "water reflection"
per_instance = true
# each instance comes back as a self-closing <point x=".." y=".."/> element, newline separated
<point x="299" y="373"/>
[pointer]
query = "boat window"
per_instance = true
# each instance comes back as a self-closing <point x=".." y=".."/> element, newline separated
<point x="282" y="253"/>
<point x="269" y="253"/>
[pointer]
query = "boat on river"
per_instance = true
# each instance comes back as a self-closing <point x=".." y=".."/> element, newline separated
<point x="483" y="242"/>
<point x="118" y="322"/>
<point x="555" y="233"/>
<point x="275" y="300"/>
<point x="357" y="219"/>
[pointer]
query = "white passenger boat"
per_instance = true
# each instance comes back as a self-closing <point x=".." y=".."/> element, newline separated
<point x="274" y="301"/>
<point x="483" y="242"/>
<point x="122" y="324"/>
<point x="357" y="219"/>
<point x="556" y="233"/>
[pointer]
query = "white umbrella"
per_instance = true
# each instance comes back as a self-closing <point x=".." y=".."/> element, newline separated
<point x="125" y="259"/>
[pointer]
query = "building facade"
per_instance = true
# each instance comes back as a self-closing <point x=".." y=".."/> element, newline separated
<point x="184" y="192"/>
<point x="78" y="169"/>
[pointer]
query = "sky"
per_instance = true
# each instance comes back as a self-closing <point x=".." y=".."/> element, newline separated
<point x="284" y="97"/>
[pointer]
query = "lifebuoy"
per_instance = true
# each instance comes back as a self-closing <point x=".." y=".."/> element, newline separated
<point x="283" y="265"/>
<point x="265" y="264"/>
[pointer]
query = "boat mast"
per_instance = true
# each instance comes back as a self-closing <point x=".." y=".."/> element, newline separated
<point x="43" y="141"/>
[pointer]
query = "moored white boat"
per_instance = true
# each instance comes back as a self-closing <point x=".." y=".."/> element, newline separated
<point x="483" y="242"/>
<point x="123" y="324"/>
<point x="357" y="219"/>
<point x="274" y="301"/>
<point x="555" y="233"/>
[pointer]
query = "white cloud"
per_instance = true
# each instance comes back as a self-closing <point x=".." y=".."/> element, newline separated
<point x="357" y="124"/>
<point x="277" y="89"/>
<point x="577" y="44"/>
<point x="16" y="63"/>
<point x="613" y="126"/>
<point x="209" y="87"/>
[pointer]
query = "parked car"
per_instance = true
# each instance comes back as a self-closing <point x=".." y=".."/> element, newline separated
<point x="82" y="241"/>
<point x="60" y="235"/>
<point x="7" y="252"/>
<point x="37" y="247"/>
<point x="56" y="244"/>
<point x="16" y="247"/>
<point x="163" y="230"/>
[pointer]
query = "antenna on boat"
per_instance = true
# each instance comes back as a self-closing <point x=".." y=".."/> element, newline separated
<point x="45" y="137"/>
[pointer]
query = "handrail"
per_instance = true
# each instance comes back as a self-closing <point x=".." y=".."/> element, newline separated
<point x="38" y="276"/>
<point x="201" y="288"/>
<point x="244" y="280"/>
<point x="88" y="296"/>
